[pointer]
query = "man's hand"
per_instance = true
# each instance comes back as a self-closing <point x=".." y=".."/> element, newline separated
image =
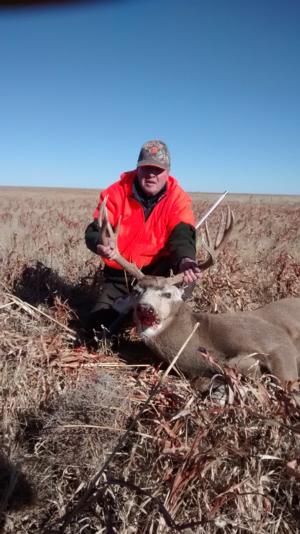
<point x="191" y="271"/>
<point x="107" y="250"/>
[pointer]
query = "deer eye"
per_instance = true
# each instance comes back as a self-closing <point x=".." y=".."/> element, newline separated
<point x="167" y="295"/>
<point x="138" y="290"/>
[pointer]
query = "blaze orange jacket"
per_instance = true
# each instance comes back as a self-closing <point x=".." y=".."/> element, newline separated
<point x="142" y="241"/>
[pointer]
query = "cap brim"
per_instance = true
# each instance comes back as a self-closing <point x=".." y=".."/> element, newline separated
<point x="146" y="163"/>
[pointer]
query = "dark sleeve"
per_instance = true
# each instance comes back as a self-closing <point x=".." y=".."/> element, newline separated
<point x="182" y="242"/>
<point x="92" y="236"/>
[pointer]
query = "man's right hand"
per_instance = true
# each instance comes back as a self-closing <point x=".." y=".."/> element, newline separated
<point x="191" y="271"/>
<point x="108" y="250"/>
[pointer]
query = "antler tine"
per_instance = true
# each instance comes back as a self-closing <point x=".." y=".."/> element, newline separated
<point x="103" y="220"/>
<point x="210" y="260"/>
<point x="224" y="229"/>
<point x="207" y="235"/>
<point x="101" y="210"/>
<point x="230" y="218"/>
<point x="221" y="231"/>
<point x="106" y="231"/>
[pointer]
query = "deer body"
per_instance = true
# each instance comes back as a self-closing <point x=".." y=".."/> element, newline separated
<point x="264" y="339"/>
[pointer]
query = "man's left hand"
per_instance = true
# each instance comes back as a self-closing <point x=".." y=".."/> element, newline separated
<point x="191" y="271"/>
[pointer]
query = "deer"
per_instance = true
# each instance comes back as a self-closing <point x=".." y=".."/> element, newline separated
<point x="253" y="342"/>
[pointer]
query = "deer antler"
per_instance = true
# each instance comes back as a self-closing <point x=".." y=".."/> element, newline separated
<point x="224" y="229"/>
<point x="106" y="232"/>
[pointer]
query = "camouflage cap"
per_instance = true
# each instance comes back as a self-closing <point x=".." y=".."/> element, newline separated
<point x="155" y="153"/>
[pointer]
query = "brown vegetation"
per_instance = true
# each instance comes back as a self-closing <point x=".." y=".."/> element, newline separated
<point x="188" y="463"/>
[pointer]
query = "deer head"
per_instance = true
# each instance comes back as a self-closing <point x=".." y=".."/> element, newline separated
<point x="156" y="303"/>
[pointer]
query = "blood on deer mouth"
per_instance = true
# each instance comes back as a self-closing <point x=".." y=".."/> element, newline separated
<point x="146" y="315"/>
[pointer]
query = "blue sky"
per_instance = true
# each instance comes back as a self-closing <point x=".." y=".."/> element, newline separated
<point x="83" y="86"/>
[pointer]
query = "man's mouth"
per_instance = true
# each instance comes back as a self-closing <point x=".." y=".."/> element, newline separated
<point x="146" y="315"/>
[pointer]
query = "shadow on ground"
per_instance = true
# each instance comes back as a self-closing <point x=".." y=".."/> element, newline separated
<point x="39" y="284"/>
<point x="16" y="491"/>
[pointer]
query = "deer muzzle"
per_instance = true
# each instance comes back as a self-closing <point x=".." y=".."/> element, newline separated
<point x="146" y="315"/>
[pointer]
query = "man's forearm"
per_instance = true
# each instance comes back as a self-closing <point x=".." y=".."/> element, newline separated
<point x="182" y="243"/>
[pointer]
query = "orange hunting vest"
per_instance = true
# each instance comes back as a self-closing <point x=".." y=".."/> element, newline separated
<point x="142" y="241"/>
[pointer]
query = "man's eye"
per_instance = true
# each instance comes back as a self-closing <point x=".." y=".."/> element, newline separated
<point x="167" y="295"/>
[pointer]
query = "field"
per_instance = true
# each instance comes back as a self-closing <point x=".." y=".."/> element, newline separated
<point x="91" y="441"/>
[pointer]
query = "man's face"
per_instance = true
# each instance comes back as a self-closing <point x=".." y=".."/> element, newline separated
<point x="152" y="179"/>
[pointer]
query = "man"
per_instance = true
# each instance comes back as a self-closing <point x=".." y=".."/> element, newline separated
<point x="157" y="230"/>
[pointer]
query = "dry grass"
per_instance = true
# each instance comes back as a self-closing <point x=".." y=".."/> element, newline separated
<point x="189" y="463"/>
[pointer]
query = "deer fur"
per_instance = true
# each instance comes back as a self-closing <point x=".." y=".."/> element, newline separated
<point x="266" y="339"/>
